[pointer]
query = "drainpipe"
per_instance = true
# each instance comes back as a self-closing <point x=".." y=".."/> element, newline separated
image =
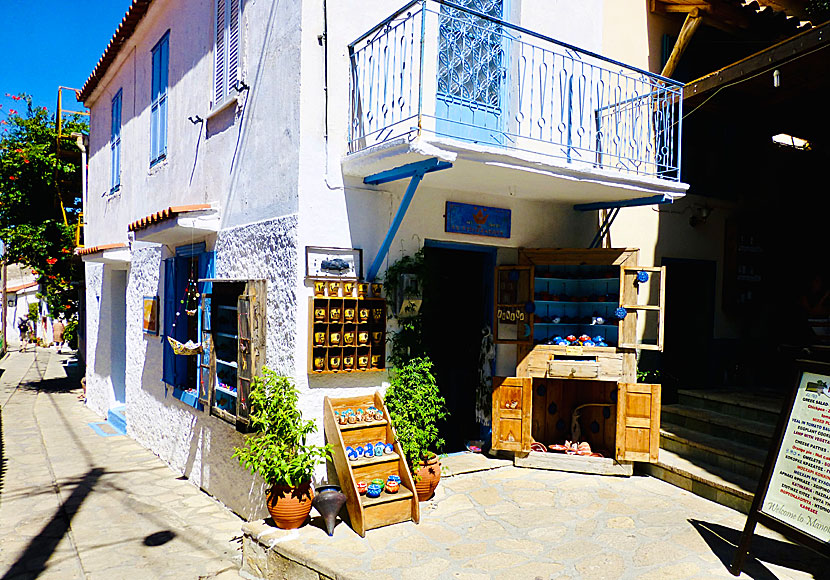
<point x="82" y="140"/>
<point x="323" y="39"/>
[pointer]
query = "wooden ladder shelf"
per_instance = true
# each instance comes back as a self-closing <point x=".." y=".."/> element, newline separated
<point x="368" y="513"/>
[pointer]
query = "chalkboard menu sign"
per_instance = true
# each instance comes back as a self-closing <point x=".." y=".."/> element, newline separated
<point x="793" y="497"/>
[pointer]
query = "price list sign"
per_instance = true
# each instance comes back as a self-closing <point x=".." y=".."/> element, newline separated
<point x="794" y="493"/>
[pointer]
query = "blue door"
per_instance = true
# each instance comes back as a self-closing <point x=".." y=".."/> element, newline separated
<point x="472" y="66"/>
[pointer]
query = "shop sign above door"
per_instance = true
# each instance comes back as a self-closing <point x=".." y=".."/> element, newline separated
<point x="477" y="220"/>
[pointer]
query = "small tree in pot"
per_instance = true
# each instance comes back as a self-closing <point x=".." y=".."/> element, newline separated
<point x="415" y="406"/>
<point x="279" y="451"/>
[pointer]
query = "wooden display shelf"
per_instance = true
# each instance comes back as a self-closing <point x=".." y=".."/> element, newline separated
<point x="368" y="513"/>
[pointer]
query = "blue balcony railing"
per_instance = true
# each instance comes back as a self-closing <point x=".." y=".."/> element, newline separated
<point x="462" y="72"/>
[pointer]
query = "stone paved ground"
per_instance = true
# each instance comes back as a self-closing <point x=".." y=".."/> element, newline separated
<point x="74" y="504"/>
<point x="516" y="523"/>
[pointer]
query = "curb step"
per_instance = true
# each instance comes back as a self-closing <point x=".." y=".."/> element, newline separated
<point x="752" y="433"/>
<point x="708" y="481"/>
<point x="755" y="406"/>
<point x="117" y="418"/>
<point x="723" y="453"/>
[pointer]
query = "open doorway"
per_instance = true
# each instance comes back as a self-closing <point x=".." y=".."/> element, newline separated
<point x="118" y="334"/>
<point x="458" y="303"/>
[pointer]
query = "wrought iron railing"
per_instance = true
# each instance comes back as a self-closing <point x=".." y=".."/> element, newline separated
<point x="446" y="69"/>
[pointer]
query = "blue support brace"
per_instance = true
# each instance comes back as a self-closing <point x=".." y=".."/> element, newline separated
<point x="655" y="199"/>
<point x="416" y="172"/>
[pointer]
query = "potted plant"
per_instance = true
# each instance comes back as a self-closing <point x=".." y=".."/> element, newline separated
<point x="279" y="451"/>
<point x="415" y="406"/>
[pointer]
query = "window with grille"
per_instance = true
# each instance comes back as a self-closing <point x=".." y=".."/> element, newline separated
<point x="226" y="49"/>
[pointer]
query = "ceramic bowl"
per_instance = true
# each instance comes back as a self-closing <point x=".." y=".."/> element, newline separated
<point x="379" y="482"/>
<point x="352" y="455"/>
<point x="361" y="487"/>
<point x="360" y="450"/>
<point x="395" y="478"/>
<point x="373" y="490"/>
<point x="378" y="450"/>
<point x="392" y="486"/>
<point x="369" y="450"/>
<point x="388" y="448"/>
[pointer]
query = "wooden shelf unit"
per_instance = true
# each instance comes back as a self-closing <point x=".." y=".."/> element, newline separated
<point x="555" y="383"/>
<point x="336" y="337"/>
<point x="368" y="513"/>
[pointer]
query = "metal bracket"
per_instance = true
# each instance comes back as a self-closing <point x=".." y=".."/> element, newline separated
<point x="416" y="172"/>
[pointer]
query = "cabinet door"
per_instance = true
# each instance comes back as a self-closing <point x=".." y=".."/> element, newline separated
<point x="638" y="422"/>
<point x="513" y="305"/>
<point x="630" y="298"/>
<point x="512" y="413"/>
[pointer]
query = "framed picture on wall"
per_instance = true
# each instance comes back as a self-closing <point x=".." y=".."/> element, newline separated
<point x="151" y="315"/>
<point x="341" y="263"/>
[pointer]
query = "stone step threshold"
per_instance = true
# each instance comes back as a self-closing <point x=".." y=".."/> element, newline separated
<point x="713" y="444"/>
<point x="759" y="401"/>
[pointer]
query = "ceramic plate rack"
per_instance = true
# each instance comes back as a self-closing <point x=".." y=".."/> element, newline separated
<point x="368" y="513"/>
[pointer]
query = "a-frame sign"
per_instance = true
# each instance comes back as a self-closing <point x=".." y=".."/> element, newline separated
<point x="793" y="496"/>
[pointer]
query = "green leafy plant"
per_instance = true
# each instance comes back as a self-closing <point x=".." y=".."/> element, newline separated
<point x="415" y="407"/>
<point x="70" y="333"/>
<point x="407" y="342"/>
<point x="818" y="10"/>
<point x="279" y="451"/>
<point x="33" y="311"/>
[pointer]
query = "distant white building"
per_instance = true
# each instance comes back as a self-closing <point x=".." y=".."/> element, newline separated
<point x="21" y="291"/>
<point x="230" y="139"/>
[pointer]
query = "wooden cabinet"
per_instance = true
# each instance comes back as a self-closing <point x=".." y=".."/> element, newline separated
<point x="576" y="358"/>
<point x="368" y="513"/>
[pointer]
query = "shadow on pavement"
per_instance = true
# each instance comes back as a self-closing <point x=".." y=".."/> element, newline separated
<point x="2" y="454"/>
<point x="32" y="562"/>
<point x="723" y="542"/>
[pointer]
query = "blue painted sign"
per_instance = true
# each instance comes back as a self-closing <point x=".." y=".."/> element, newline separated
<point x="477" y="220"/>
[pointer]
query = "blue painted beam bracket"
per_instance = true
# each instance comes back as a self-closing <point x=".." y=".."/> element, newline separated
<point x="415" y="171"/>
<point x="653" y="200"/>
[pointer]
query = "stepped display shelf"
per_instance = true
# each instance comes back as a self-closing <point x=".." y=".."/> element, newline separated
<point x="368" y="513"/>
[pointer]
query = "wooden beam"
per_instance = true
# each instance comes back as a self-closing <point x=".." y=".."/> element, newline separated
<point x="690" y="25"/>
<point x="768" y="59"/>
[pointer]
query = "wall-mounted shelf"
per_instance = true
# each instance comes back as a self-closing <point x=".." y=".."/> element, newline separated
<point x="346" y="334"/>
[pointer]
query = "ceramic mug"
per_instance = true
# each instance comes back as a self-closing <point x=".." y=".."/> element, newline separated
<point x="348" y="314"/>
<point x="319" y="363"/>
<point x="378" y="450"/>
<point x="377" y="337"/>
<point x="348" y="362"/>
<point x="377" y="289"/>
<point x="363" y="315"/>
<point x="320" y="314"/>
<point x="348" y="338"/>
<point x="369" y="450"/>
<point x="319" y="338"/>
<point x="334" y="289"/>
<point x="395" y="478"/>
<point x="379" y="482"/>
<point x="375" y="361"/>
<point x="362" y="361"/>
<point x="373" y="490"/>
<point x="362" y="290"/>
<point x="334" y="363"/>
<point x="334" y="338"/>
<point x="360" y="451"/>
<point x="319" y="288"/>
<point x="363" y="337"/>
<point x="392" y="487"/>
<point x="334" y="315"/>
<point x="348" y="288"/>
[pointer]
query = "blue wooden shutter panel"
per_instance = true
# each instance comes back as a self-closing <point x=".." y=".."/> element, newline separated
<point x="168" y="358"/>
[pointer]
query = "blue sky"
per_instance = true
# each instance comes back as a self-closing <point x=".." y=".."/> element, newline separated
<point x="47" y="43"/>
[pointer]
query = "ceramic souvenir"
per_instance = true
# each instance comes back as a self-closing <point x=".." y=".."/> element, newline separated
<point x="379" y="481"/>
<point x="334" y="363"/>
<point x="375" y="361"/>
<point x="373" y="490"/>
<point x="395" y="478"/>
<point x="334" y="338"/>
<point x="388" y="448"/>
<point x="378" y="450"/>
<point x="570" y="338"/>
<point x="377" y="314"/>
<point x="597" y="339"/>
<point x="319" y="338"/>
<point x="320" y="314"/>
<point x="362" y="290"/>
<point x="362" y="337"/>
<point x="584" y="338"/>
<point x="319" y="363"/>
<point x="352" y="419"/>
<point x="360" y="451"/>
<point x="362" y="361"/>
<point x="348" y="362"/>
<point x="588" y="343"/>
<point x="377" y="337"/>
<point x="334" y="289"/>
<point x="351" y="454"/>
<point x="334" y="314"/>
<point x="363" y="315"/>
<point x="392" y="487"/>
<point x="348" y="315"/>
<point x="369" y="450"/>
<point x="348" y="289"/>
<point x="319" y="288"/>
<point x="348" y="338"/>
<point x="377" y="289"/>
<point x="361" y="487"/>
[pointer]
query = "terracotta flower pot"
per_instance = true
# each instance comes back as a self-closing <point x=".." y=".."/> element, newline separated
<point x="290" y="506"/>
<point x="427" y="477"/>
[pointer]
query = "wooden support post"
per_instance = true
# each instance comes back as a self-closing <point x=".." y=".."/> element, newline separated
<point x="690" y="25"/>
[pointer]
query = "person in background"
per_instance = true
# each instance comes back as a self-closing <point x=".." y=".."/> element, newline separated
<point x="58" y="328"/>
<point x="23" y="328"/>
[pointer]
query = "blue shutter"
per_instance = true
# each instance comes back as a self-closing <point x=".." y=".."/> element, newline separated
<point x="206" y="270"/>
<point x="158" y="97"/>
<point x="115" y="143"/>
<point x="168" y="358"/>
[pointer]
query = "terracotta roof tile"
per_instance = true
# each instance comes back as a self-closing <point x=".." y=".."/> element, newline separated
<point x="21" y="287"/>
<point x="94" y="249"/>
<point x="165" y="214"/>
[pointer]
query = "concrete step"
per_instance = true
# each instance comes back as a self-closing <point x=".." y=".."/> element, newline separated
<point x="723" y="453"/>
<point x="117" y="418"/>
<point x="764" y="407"/>
<point x="709" y="481"/>
<point x="747" y="432"/>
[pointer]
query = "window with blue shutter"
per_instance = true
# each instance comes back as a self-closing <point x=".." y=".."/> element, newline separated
<point x="226" y="49"/>
<point x="158" y="105"/>
<point x="115" y="143"/>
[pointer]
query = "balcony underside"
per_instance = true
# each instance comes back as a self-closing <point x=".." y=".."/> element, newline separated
<point x="512" y="173"/>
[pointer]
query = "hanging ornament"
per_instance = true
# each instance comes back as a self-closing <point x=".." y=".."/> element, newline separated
<point x="642" y="277"/>
<point x="620" y="312"/>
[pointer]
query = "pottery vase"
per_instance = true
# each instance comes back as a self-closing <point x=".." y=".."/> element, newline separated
<point x="328" y="501"/>
<point x="427" y="477"/>
<point x="289" y="506"/>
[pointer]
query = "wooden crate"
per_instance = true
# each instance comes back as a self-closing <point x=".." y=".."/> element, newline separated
<point x="368" y="513"/>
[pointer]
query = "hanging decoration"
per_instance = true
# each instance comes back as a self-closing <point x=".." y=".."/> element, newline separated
<point x="484" y="389"/>
<point x="189" y="303"/>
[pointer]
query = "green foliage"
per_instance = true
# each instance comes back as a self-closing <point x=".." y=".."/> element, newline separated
<point x="34" y="181"/>
<point x="415" y="407"/>
<point x="407" y="342"/>
<point x="818" y="11"/>
<point x="278" y="451"/>
<point x="33" y="312"/>
<point x="70" y="333"/>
